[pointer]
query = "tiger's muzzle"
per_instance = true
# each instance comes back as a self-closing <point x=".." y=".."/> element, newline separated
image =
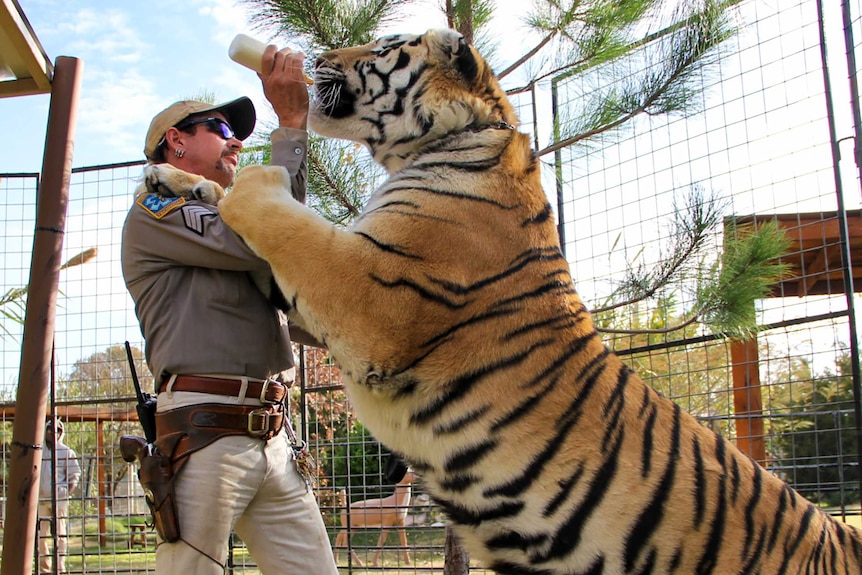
<point x="332" y="95"/>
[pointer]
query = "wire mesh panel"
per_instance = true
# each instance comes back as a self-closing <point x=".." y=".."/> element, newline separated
<point x="760" y="149"/>
<point x="100" y="524"/>
<point x="93" y="386"/>
<point x="373" y="521"/>
<point x="18" y="199"/>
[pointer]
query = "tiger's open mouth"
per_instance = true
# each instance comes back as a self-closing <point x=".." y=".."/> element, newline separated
<point x="332" y="96"/>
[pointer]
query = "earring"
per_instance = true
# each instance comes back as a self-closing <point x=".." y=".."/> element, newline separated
<point x="180" y="152"/>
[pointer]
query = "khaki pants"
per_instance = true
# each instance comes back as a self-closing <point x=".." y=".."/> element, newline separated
<point x="252" y="487"/>
<point x="45" y="535"/>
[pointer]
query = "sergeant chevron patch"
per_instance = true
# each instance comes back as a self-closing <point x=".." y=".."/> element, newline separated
<point x="194" y="218"/>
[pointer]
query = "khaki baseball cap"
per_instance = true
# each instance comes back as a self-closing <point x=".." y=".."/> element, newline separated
<point x="240" y="115"/>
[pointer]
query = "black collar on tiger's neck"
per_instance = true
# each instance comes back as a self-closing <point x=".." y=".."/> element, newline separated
<point x="475" y="128"/>
<point x="501" y="125"/>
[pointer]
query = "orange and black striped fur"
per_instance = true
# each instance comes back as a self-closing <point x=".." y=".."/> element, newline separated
<point x="464" y="346"/>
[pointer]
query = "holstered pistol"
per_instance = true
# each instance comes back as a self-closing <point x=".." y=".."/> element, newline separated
<point x="156" y="475"/>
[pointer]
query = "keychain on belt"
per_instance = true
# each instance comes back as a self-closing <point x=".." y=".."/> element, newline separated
<point x="305" y="463"/>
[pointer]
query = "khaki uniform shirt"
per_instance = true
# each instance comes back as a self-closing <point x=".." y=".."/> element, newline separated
<point x="188" y="273"/>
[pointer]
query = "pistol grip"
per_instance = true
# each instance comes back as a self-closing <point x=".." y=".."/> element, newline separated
<point x="131" y="446"/>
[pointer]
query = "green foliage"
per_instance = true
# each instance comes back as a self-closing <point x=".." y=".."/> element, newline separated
<point x="13" y="302"/>
<point x="818" y="444"/>
<point x="12" y="307"/>
<point x="340" y="177"/>
<point x="105" y="376"/>
<point x="589" y="33"/>
<point x="749" y="268"/>
<point x="324" y="24"/>
<point x="358" y="461"/>
<point x="690" y="228"/>
<point x="255" y="154"/>
<point x="724" y="283"/>
<point x="653" y="74"/>
<point x="470" y="18"/>
<point x="205" y="95"/>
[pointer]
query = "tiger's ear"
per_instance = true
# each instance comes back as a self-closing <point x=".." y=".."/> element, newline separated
<point x="465" y="60"/>
<point x="459" y="53"/>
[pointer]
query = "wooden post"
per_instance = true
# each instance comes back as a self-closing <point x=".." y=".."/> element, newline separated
<point x="102" y="483"/>
<point x="28" y="431"/>
<point x="747" y="399"/>
<point x="456" y="559"/>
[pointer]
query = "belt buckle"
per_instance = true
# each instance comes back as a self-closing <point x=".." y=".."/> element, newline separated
<point x="261" y="415"/>
<point x="264" y="388"/>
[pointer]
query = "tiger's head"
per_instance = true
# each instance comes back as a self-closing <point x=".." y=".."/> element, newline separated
<point x="399" y="93"/>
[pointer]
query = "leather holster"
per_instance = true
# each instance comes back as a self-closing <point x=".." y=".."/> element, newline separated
<point x="157" y="473"/>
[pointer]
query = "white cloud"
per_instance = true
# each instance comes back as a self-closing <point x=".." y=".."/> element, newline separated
<point x="229" y="17"/>
<point x="103" y="36"/>
<point x="115" y="108"/>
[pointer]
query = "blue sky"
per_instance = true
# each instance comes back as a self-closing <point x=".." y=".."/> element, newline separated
<point x="138" y="57"/>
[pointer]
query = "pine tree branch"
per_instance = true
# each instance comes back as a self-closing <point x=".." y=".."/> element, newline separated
<point x="693" y="318"/>
<point x="691" y="227"/>
<point x="529" y="55"/>
<point x="725" y="304"/>
<point x="336" y="190"/>
<point x="692" y="39"/>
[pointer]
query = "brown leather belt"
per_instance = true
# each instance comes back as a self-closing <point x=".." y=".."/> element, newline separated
<point x="197" y="426"/>
<point x="268" y="391"/>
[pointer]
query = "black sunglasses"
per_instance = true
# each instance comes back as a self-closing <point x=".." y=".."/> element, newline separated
<point x="214" y="125"/>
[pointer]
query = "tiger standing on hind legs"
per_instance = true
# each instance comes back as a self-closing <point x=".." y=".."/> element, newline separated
<point x="462" y="340"/>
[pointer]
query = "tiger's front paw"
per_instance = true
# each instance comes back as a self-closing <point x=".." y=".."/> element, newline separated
<point x="171" y="182"/>
<point x="259" y="194"/>
<point x="271" y="182"/>
<point x="208" y="192"/>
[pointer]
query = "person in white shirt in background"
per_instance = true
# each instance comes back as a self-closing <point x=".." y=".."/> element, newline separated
<point x="68" y="473"/>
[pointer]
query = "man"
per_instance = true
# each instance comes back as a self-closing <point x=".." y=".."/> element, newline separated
<point x="68" y="473"/>
<point x="218" y="350"/>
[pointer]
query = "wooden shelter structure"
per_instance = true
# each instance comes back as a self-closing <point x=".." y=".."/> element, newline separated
<point x="24" y="67"/>
<point x="816" y="268"/>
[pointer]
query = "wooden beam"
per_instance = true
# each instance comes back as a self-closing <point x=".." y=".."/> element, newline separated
<point x="747" y="399"/>
<point x="20" y="87"/>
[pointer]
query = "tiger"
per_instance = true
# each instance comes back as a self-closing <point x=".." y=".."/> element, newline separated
<point x="464" y="346"/>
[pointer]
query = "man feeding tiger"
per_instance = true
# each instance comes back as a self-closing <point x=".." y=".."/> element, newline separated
<point x="225" y="458"/>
